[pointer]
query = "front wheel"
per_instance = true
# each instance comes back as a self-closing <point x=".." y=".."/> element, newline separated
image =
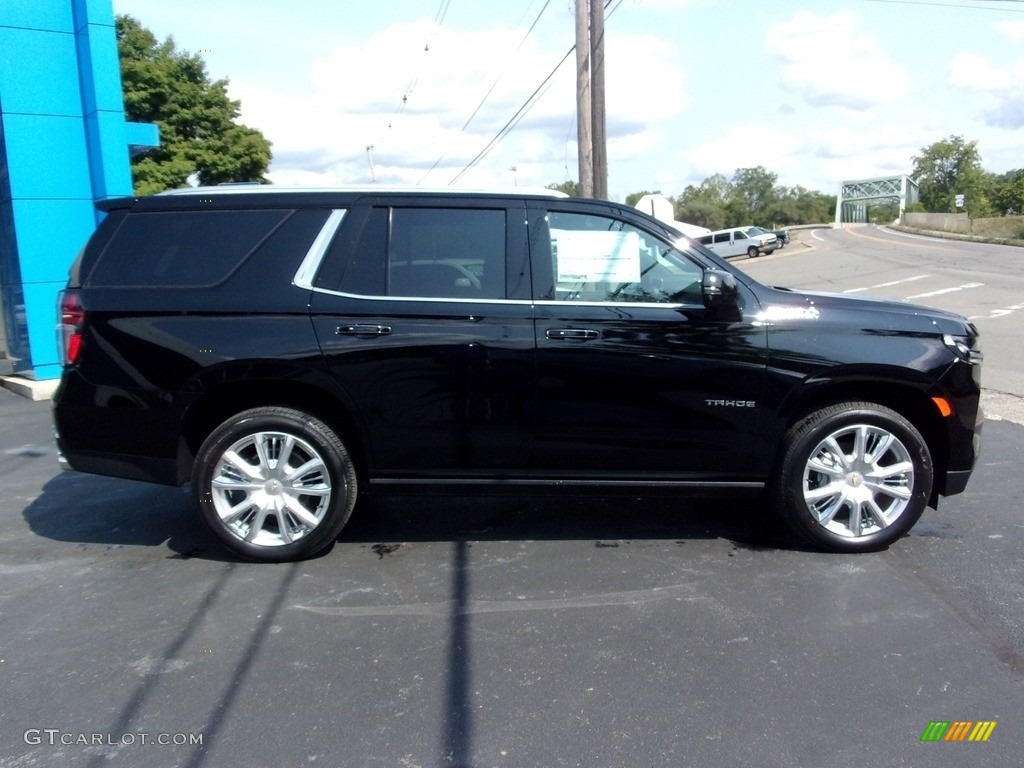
<point x="274" y="484"/>
<point x="852" y="477"/>
<point x="752" y="251"/>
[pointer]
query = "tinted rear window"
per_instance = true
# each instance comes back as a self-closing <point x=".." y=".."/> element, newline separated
<point x="425" y="253"/>
<point x="184" y="249"/>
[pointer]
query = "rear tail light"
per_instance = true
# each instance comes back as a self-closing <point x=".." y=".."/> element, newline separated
<point x="69" y="330"/>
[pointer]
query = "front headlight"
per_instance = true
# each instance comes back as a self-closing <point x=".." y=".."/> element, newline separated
<point x="961" y="347"/>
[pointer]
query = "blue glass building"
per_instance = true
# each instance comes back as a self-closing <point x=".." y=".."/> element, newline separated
<point x="64" y="143"/>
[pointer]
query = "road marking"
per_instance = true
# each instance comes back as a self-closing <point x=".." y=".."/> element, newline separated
<point x="906" y="234"/>
<point x="886" y="285"/>
<point x="998" y="313"/>
<point x="853" y="233"/>
<point x="963" y="287"/>
<point x="815" y="236"/>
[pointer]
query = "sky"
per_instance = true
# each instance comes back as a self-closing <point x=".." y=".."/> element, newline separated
<point x="422" y="92"/>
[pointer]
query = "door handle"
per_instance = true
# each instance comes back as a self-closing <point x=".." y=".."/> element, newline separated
<point x="572" y="333"/>
<point x="363" y="329"/>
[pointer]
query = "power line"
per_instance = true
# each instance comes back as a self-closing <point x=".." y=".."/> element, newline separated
<point x="955" y="5"/>
<point x="526" y="107"/>
<point x="513" y="121"/>
<point x="493" y="85"/>
<point x="498" y="78"/>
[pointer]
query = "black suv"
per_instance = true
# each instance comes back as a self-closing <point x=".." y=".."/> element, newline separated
<point x="286" y="350"/>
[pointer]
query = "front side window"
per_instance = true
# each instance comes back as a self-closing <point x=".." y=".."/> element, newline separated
<point x="600" y="259"/>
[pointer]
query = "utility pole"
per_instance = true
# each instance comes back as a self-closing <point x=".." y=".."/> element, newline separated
<point x="591" y="137"/>
<point x="584" y="139"/>
<point x="597" y="120"/>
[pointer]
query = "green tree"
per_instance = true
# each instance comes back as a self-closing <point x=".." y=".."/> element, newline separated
<point x="199" y="135"/>
<point x="570" y="187"/>
<point x="751" y="197"/>
<point x="705" y="205"/>
<point x="634" y="197"/>
<point x="797" y="205"/>
<point x="1007" y="193"/>
<point x="701" y="213"/>
<point x="949" y="168"/>
<point x="753" y="194"/>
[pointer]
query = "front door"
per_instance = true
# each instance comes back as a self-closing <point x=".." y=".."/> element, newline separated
<point x="636" y="378"/>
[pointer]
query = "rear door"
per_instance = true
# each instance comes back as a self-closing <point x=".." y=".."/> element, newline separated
<point x="636" y="379"/>
<point x="422" y="311"/>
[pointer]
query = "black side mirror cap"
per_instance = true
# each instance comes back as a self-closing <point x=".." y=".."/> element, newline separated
<point x="719" y="290"/>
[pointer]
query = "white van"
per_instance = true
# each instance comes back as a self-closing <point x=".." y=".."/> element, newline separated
<point x="739" y="240"/>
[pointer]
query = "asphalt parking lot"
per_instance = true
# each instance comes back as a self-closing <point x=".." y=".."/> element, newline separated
<point x="500" y="631"/>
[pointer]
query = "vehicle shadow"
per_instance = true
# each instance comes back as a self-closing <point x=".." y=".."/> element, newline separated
<point x="90" y="510"/>
<point x="109" y="514"/>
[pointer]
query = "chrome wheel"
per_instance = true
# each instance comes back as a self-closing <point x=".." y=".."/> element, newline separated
<point x="858" y="480"/>
<point x="274" y="484"/>
<point x="271" y="488"/>
<point x="852" y="477"/>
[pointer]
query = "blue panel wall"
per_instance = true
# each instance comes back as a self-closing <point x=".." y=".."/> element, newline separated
<point x="63" y="145"/>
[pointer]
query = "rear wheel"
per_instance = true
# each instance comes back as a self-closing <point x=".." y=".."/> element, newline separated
<point x="852" y="477"/>
<point x="274" y="484"/>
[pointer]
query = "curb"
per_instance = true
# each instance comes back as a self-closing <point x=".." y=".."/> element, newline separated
<point x="30" y="388"/>
<point x="953" y="235"/>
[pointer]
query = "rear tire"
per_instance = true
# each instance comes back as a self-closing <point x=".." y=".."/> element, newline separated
<point x="852" y="477"/>
<point x="274" y="484"/>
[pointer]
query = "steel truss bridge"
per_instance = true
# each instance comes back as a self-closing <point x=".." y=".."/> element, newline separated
<point x="855" y="197"/>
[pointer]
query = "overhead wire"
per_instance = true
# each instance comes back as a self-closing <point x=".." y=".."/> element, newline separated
<point x="439" y="16"/>
<point x="527" y="105"/>
<point x="956" y="5"/>
<point x="513" y="121"/>
<point x="490" y="90"/>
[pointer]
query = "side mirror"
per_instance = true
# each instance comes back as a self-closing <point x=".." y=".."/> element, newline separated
<point x="719" y="290"/>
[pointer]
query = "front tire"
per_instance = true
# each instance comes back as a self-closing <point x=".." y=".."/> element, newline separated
<point x="274" y="484"/>
<point x="752" y="252"/>
<point x="852" y="477"/>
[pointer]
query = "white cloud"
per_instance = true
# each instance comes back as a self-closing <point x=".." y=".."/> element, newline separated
<point x="829" y="61"/>
<point x="1004" y="88"/>
<point x="354" y="99"/>
<point x="1011" y="30"/>
<point x="972" y="72"/>
<point x="744" y="146"/>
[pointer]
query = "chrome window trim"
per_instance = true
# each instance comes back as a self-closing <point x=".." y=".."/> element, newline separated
<point x="434" y="299"/>
<point x="522" y="302"/>
<point x="311" y="263"/>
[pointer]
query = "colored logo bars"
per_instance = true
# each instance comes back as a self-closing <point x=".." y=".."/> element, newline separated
<point x="958" y="730"/>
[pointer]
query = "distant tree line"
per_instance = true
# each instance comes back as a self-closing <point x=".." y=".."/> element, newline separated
<point x="943" y="170"/>
<point x="751" y="196"/>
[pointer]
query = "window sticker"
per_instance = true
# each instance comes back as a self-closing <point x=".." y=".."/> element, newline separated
<point x="596" y="257"/>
